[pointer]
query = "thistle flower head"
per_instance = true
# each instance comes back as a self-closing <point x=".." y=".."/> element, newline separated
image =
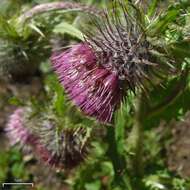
<point x="20" y="134"/>
<point x="62" y="150"/>
<point x="114" y="59"/>
<point x="67" y="149"/>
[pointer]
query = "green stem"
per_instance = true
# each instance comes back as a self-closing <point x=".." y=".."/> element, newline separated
<point x="138" y="137"/>
<point x="118" y="161"/>
<point x="113" y="152"/>
<point x="135" y="142"/>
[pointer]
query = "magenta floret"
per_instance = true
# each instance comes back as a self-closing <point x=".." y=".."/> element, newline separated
<point x="93" y="88"/>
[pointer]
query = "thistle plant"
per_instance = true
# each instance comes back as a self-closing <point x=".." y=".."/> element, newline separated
<point x="121" y="55"/>
<point x="125" y="76"/>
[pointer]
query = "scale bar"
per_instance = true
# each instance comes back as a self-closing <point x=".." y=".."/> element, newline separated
<point x="17" y="184"/>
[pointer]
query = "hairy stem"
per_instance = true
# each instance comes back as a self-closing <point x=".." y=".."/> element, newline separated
<point x="46" y="7"/>
<point x="118" y="161"/>
<point x="113" y="152"/>
<point x="138" y="137"/>
<point x="135" y="142"/>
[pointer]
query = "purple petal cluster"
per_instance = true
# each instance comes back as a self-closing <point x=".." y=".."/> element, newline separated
<point x="93" y="88"/>
<point x="16" y="131"/>
<point x="19" y="134"/>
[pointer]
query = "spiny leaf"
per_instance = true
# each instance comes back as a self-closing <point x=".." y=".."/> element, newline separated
<point x="65" y="27"/>
<point x="152" y="7"/>
<point x="181" y="49"/>
<point x="6" y="30"/>
<point x="163" y="21"/>
<point x="35" y="28"/>
<point x="160" y="25"/>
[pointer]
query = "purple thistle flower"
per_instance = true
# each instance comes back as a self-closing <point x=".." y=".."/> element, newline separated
<point x="115" y="58"/>
<point x="92" y="87"/>
<point x="64" y="150"/>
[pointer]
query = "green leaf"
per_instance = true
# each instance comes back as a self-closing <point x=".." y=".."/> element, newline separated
<point x="58" y="93"/>
<point x="18" y="170"/>
<point x="7" y="30"/>
<point x="65" y="27"/>
<point x="169" y="102"/>
<point x="15" y="101"/>
<point x="153" y="182"/>
<point x="9" y="7"/>
<point x="152" y="7"/>
<point x="35" y="28"/>
<point x="96" y="185"/>
<point x="180" y="49"/>
<point x="3" y="165"/>
<point x="160" y="24"/>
